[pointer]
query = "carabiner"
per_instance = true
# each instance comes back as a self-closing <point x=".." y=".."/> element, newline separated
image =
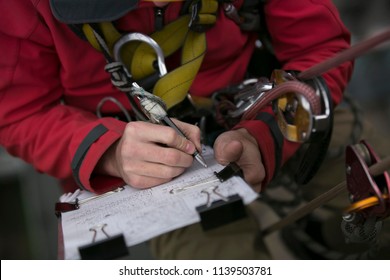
<point x="143" y="38"/>
<point x="251" y="91"/>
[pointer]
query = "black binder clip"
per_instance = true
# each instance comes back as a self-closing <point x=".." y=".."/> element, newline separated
<point x="230" y="170"/>
<point x="112" y="247"/>
<point x="224" y="210"/>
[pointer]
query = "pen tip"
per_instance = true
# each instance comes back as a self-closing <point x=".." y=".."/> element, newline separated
<point x="200" y="159"/>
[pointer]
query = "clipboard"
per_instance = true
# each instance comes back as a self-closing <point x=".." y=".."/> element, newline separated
<point x="225" y="210"/>
<point x="139" y="215"/>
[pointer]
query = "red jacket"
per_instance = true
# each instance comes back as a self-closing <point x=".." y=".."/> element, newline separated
<point x="51" y="81"/>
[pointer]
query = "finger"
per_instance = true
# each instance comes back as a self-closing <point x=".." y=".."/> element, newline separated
<point x="152" y="153"/>
<point x="257" y="187"/>
<point x="153" y="133"/>
<point x="152" y="173"/>
<point x="227" y="151"/>
<point x="254" y="174"/>
<point x="179" y="142"/>
<point x="192" y="132"/>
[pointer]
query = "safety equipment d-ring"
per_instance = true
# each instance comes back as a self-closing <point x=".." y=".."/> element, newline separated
<point x="143" y="38"/>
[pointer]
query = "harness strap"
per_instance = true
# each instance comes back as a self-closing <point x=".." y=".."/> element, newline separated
<point x="107" y="32"/>
<point x="174" y="86"/>
<point x="187" y="32"/>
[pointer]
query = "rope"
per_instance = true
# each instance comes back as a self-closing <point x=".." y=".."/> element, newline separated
<point x="375" y="170"/>
<point x="344" y="56"/>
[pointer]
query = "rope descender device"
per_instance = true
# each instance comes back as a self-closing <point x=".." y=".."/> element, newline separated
<point x="302" y="111"/>
<point x="369" y="195"/>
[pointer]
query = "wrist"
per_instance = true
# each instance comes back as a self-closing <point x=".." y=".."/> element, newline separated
<point x="107" y="164"/>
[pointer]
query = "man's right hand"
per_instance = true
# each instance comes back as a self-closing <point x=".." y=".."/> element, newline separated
<point x="148" y="154"/>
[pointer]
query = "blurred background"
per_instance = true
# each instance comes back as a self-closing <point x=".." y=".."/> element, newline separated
<point x="29" y="226"/>
<point x="369" y="85"/>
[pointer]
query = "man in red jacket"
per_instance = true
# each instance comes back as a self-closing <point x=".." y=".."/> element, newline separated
<point x="52" y="81"/>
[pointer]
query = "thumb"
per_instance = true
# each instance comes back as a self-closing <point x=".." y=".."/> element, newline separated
<point x="227" y="150"/>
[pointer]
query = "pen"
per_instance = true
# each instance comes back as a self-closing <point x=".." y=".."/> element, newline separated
<point x="157" y="114"/>
<point x="167" y="121"/>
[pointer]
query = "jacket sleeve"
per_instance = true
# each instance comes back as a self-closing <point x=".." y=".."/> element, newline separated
<point x="35" y="125"/>
<point x="303" y="33"/>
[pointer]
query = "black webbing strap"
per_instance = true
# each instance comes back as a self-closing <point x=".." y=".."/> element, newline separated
<point x="82" y="150"/>
<point x="277" y="135"/>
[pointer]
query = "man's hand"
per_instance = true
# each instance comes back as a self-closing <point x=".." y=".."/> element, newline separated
<point x="148" y="154"/>
<point x="240" y="147"/>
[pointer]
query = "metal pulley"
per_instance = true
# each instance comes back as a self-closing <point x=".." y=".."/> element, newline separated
<point x="303" y="112"/>
<point x="369" y="195"/>
<point x="302" y="109"/>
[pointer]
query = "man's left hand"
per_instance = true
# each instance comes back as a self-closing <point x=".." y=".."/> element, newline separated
<point x="241" y="147"/>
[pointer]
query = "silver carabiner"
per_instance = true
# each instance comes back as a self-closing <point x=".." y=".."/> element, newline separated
<point x="143" y="38"/>
<point x="251" y="91"/>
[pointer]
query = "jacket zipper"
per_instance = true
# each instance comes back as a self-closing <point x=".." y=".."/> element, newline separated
<point x="158" y="18"/>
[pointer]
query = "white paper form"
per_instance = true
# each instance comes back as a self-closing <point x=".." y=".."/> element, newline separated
<point x="143" y="214"/>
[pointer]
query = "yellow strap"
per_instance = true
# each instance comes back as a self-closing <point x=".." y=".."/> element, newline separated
<point x="109" y="32"/>
<point x="208" y="7"/>
<point x="89" y="34"/>
<point x="174" y="86"/>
